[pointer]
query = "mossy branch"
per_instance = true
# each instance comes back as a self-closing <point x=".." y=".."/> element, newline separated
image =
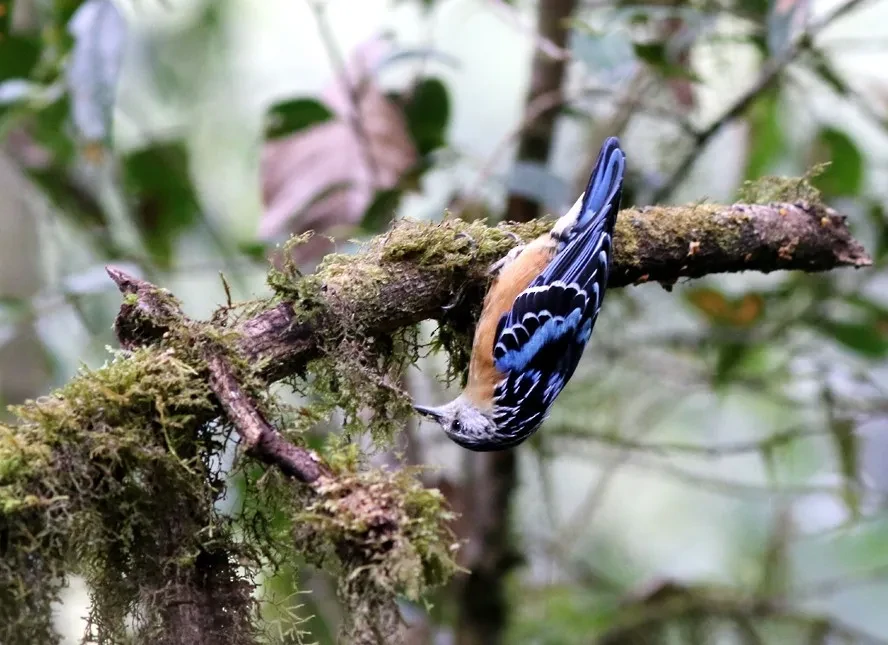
<point x="408" y="274"/>
<point x="75" y="469"/>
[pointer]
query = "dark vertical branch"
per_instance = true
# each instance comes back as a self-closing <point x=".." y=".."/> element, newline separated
<point x="546" y="78"/>
<point x="483" y="606"/>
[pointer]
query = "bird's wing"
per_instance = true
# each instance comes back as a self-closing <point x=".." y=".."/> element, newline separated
<point x="539" y="341"/>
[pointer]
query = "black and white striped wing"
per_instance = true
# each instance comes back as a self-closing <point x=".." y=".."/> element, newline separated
<point x="539" y="342"/>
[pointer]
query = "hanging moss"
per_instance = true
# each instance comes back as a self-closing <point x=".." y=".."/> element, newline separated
<point x="388" y="535"/>
<point x="111" y="476"/>
<point x="106" y="478"/>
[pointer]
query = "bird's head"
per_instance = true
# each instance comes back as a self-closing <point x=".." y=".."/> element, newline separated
<point x="464" y="423"/>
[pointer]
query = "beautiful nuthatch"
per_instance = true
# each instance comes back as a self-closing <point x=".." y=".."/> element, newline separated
<point x="536" y="319"/>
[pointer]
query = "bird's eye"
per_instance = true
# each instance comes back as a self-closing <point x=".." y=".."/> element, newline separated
<point x="456" y="426"/>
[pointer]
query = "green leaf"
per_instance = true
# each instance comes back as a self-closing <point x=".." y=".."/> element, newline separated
<point x="656" y="55"/>
<point x="847" y="448"/>
<point x="766" y="140"/>
<point x="864" y="339"/>
<point x="164" y="202"/>
<point x="20" y="55"/>
<point x="50" y="127"/>
<point x="729" y="359"/>
<point x="876" y="214"/>
<point x="289" y="117"/>
<point x="6" y="9"/>
<point x="428" y="113"/>
<point x="381" y="210"/>
<point x="755" y="9"/>
<point x="844" y="175"/>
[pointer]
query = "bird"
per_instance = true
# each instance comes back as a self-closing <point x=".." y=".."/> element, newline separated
<point x="536" y="319"/>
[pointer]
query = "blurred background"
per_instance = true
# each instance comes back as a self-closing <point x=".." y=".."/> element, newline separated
<point x="717" y="470"/>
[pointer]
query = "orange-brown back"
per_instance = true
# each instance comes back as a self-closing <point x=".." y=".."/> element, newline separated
<point x="512" y="280"/>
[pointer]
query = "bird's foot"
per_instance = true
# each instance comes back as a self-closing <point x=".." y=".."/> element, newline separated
<point x="503" y="262"/>
<point x="472" y="243"/>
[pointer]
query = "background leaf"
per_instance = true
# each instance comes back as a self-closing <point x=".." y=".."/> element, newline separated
<point x="162" y="197"/>
<point x="99" y="33"/>
<point x="766" y="140"/>
<point x="427" y="111"/>
<point x="861" y="338"/>
<point x="20" y="54"/>
<point x="844" y="175"/>
<point x="290" y="117"/>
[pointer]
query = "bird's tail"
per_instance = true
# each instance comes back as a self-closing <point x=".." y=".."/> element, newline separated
<point x="599" y="204"/>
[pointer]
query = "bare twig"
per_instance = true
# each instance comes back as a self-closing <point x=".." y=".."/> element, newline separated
<point x="152" y="311"/>
<point x="543" y="43"/>
<point x="668" y="601"/>
<point x="713" y="450"/>
<point x="352" y="89"/>
<point x="261" y="439"/>
<point x="555" y="100"/>
<point x="546" y="77"/>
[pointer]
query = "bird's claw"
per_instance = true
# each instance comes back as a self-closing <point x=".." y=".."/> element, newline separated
<point x="453" y="301"/>
<point x="503" y="262"/>
<point x="472" y="243"/>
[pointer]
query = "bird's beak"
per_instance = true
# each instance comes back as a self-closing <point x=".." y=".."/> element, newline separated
<point x="428" y="412"/>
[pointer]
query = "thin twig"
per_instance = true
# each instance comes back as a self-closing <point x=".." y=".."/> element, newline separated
<point x="557" y="99"/>
<point x="541" y="42"/>
<point x="669" y="601"/>
<point x="260" y="438"/>
<point x="354" y="91"/>
<point x="714" y="450"/>
<point x="830" y="586"/>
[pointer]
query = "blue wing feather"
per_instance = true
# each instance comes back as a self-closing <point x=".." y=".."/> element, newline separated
<point x="540" y="340"/>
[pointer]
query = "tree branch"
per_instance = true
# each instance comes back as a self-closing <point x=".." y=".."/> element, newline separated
<point x="385" y="287"/>
<point x="407" y="275"/>
<point x="399" y="279"/>
<point x="546" y="79"/>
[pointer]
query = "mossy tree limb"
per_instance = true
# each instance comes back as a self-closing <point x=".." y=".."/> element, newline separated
<point x="384" y="528"/>
<point x="110" y="449"/>
<point x="407" y="275"/>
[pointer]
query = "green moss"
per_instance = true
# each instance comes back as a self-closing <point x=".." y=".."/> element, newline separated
<point x="111" y="476"/>
<point x="454" y="242"/>
<point x="361" y="378"/>
<point x="783" y="189"/>
<point x="674" y="229"/>
<point x="389" y="533"/>
<point x="106" y="477"/>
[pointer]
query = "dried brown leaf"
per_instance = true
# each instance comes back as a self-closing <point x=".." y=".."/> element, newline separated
<point x="324" y="178"/>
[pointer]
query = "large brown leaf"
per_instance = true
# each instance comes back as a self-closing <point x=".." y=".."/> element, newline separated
<point x="323" y="178"/>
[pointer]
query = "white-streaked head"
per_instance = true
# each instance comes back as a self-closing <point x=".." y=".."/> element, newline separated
<point x="464" y="423"/>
